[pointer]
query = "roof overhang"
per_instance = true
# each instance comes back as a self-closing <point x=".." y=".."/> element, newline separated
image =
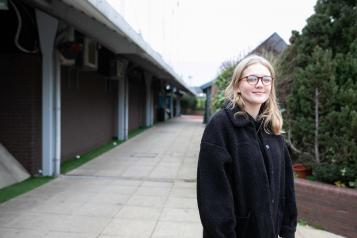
<point x="100" y="21"/>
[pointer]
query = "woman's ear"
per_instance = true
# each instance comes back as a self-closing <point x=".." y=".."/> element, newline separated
<point x="238" y="90"/>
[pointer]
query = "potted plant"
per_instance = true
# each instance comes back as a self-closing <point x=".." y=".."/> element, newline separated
<point x="302" y="165"/>
<point x="301" y="170"/>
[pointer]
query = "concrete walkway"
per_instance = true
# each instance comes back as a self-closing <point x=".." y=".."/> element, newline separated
<point x="142" y="188"/>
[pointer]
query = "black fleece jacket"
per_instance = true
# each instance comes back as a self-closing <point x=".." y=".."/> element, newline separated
<point x="237" y="195"/>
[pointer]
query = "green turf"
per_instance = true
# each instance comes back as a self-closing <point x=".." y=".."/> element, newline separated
<point x="66" y="166"/>
<point x="137" y="131"/>
<point x="17" y="189"/>
<point x="75" y="162"/>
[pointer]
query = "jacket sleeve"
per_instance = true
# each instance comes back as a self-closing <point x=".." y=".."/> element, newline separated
<point x="289" y="221"/>
<point x="214" y="193"/>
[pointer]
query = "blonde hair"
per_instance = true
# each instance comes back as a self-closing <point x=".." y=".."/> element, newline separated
<point x="270" y="112"/>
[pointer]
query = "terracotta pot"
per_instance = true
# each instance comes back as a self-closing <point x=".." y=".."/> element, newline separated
<point x="301" y="170"/>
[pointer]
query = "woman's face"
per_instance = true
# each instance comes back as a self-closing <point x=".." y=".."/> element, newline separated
<point x="255" y="94"/>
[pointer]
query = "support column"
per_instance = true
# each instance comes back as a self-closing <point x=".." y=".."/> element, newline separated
<point x="47" y="27"/>
<point x="126" y="107"/>
<point x="149" y="101"/>
<point x="161" y="113"/>
<point x="178" y="106"/>
<point x="57" y="104"/>
<point x="171" y="98"/>
<point x="122" y="118"/>
<point x="152" y="108"/>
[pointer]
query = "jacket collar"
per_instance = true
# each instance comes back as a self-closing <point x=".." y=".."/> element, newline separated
<point x="238" y="120"/>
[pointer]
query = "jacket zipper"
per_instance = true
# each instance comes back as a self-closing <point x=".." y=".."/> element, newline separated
<point x="266" y="176"/>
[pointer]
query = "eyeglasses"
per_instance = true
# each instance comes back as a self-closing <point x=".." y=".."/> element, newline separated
<point x="253" y="79"/>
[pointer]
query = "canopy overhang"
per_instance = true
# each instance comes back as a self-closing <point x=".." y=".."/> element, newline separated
<point x="100" y="21"/>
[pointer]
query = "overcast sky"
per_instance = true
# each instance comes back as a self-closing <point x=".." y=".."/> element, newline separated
<point x="196" y="36"/>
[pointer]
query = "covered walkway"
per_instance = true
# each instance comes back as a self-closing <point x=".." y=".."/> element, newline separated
<point x="142" y="188"/>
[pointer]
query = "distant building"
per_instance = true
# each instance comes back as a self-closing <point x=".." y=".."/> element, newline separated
<point x="209" y="89"/>
<point x="198" y="91"/>
<point x="274" y="45"/>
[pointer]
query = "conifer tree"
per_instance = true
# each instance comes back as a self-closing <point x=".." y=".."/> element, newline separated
<point x="320" y="71"/>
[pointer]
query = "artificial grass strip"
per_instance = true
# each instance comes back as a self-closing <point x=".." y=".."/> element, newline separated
<point x="74" y="163"/>
<point x="20" y="188"/>
<point x="137" y="131"/>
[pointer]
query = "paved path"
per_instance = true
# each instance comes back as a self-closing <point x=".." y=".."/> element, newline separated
<point x="143" y="188"/>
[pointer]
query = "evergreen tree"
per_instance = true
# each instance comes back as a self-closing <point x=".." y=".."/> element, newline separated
<point x="320" y="69"/>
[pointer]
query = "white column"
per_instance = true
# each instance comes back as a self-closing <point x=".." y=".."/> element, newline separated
<point x="121" y="109"/>
<point x="47" y="27"/>
<point x="126" y="108"/>
<point x="148" y="78"/>
<point x="122" y="121"/>
<point x="57" y="103"/>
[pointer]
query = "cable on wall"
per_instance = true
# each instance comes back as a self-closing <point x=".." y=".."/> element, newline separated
<point x="16" y="41"/>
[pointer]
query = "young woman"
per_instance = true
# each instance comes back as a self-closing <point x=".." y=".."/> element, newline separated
<point x="245" y="184"/>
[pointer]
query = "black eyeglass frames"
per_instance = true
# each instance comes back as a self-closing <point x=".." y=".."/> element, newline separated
<point x="254" y="79"/>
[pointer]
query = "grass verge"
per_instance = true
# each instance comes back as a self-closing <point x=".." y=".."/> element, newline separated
<point x="12" y="191"/>
<point x="17" y="189"/>
<point x="79" y="160"/>
<point x="137" y="131"/>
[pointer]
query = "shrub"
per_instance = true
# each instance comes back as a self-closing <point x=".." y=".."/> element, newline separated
<point x="340" y="175"/>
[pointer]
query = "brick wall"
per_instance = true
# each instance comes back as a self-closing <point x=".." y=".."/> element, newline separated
<point x="88" y="111"/>
<point x="20" y="108"/>
<point x="326" y="206"/>
<point x="137" y="100"/>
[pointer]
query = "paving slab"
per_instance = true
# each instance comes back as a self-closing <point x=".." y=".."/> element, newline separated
<point x="144" y="188"/>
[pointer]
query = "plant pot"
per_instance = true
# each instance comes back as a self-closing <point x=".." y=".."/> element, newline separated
<point x="301" y="170"/>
